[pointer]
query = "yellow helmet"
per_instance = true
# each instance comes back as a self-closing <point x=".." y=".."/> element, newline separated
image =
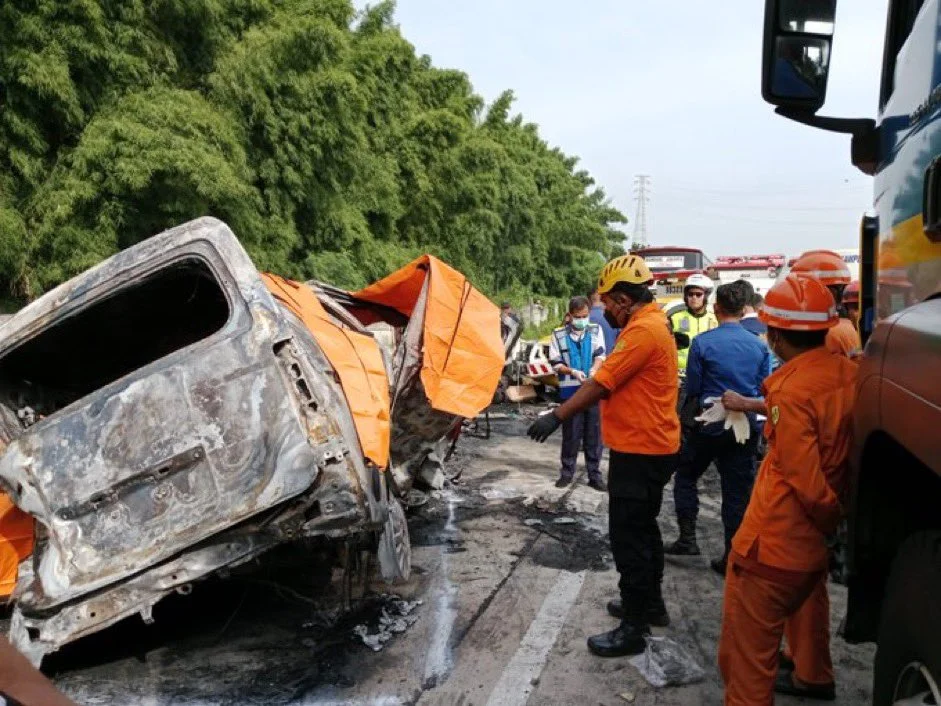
<point x="627" y="268"/>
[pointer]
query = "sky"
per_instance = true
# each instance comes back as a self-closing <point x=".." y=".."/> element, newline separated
<point x="672" y="90"/>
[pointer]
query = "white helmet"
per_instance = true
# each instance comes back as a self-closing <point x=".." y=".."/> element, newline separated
<point x="698" y="280"/>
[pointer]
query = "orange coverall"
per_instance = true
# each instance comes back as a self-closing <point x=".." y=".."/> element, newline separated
<point x="777" y="569"/>
<point x="844" y="338"/>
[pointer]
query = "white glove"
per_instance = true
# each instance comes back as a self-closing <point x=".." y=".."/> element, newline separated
<point x="716" y="413"/>
<point x="740" y="426"/>
<point x="579" y="375"/>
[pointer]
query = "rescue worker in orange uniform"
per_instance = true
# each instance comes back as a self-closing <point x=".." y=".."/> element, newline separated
<point x="851" y="302"/>
<point x="776" y="579"/>
<point x="828" y="267"/>
<point x="639" y="424"/>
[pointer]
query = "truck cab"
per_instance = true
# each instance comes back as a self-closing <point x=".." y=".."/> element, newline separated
<point x="894" y="507"/>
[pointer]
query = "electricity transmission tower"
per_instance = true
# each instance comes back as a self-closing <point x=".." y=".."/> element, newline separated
<point x="641" y="185"/>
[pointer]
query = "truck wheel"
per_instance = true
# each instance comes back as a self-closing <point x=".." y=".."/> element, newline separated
<point x="908" y="659"/>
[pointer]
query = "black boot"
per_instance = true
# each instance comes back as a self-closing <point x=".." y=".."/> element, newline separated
<point x="686" y="544"/>
<point x="719" y="565"/>
<point x="657" y="614"/>
<point x="625" y="639"/>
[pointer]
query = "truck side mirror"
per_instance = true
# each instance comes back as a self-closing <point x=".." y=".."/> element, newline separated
<point x="796" y="53"/>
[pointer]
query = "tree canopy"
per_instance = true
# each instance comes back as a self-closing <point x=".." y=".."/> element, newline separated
<point x="330" y="147"/>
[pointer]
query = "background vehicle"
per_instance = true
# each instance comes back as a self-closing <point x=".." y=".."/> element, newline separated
<point x="760" y="270"/>
<point x="671" y="265"/>
<point x="894" y="536"/>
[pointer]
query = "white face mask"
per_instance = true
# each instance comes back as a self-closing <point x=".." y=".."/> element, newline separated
<point x="580" y="324"/>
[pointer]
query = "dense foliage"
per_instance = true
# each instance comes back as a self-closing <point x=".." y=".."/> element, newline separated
<point x="331" y="148"/>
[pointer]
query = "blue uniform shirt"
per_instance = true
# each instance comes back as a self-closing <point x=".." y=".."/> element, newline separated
<point x="610" y="334"/>
<point x="727" y="358"/>
<point x="757" y="327"/>
<point x="754" y="325"/>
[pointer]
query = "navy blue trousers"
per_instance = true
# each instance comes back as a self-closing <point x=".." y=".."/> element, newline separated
<point x="736" y="464"/>
<point x="583" y="431"/>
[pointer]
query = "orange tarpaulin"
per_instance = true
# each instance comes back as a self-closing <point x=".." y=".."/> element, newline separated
<point x="355" y="357"/>
<point x="463" y="351"/>
<point x="16" y="542"/>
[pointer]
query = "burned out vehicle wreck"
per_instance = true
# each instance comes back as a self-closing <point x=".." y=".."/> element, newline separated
<point x="172" y="413"/>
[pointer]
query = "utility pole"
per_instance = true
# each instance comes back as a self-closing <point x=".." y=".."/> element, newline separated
<point x="641" y="185"/>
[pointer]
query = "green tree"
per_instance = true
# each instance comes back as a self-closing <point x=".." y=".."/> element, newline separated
<point x="332" y="149"/>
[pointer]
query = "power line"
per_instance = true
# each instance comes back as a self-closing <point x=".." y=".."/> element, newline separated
<point x="641" y="182"/>
<point x="765" y="188"/>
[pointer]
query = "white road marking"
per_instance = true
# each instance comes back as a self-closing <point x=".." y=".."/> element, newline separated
<point x="516" y="682"/>
<point x="438" y="660"/>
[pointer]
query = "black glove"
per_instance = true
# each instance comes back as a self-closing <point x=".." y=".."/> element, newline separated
<point x="542" y="428"/>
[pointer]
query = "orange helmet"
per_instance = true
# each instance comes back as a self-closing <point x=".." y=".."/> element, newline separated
<point x="825" y="265"/>
<point x="851" y="293"/>
<point x="799" y="302"/>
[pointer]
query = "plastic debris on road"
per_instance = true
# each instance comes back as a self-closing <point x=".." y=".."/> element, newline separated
<point x="396" y="617"/>
<point x="667" y="663"/>
<point x="493" y="492"/>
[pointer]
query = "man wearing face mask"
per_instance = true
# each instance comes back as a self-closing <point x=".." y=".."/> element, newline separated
<point x="639" y="424"/>
<point x="576" y="351"/>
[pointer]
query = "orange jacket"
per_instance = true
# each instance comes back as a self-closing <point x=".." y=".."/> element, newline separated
<point x="844" y="339"/>
<point x="796" y="499"/>
<point x="641" y="375"/>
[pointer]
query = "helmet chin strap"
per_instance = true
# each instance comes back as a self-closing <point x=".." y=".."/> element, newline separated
<point x="631" y="310"/>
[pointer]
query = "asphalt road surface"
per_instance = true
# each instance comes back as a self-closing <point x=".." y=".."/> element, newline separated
<point x="512" y="576"/>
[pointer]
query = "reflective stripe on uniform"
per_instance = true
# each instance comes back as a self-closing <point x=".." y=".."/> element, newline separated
<point x="798" y="315"/>
<point x="824" y="274"/>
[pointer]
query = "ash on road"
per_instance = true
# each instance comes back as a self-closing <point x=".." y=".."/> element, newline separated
<point x="512" y="574"/>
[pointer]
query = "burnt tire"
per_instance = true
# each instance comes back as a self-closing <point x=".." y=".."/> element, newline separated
<point x="908" y="658"/>
<point x="395" y="549"/>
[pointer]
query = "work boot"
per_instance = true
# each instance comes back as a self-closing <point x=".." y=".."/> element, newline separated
<point x="625" y="639"/>
<point x="598" y="484"/>
<point x="719" y="565"/>
<point x="785" y="684"/>
<point x="685" y="545"/>
<point x="563" y="483"/>
<point x="657" y="615"/>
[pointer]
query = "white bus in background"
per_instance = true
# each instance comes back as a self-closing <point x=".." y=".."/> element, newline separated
<point x="760" y="270"/>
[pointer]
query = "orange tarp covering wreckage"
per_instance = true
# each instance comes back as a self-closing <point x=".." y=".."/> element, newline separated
<point x="463" y="351"/>
<point x="357" y="360"/>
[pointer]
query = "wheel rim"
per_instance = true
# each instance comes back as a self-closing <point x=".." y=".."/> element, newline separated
<point x="916" y="687"/>
<point x="395" y="552"/>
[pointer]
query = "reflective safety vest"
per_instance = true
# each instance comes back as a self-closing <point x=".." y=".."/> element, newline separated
<point x="685" y="322"/>
<point x="567" y="383"/>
